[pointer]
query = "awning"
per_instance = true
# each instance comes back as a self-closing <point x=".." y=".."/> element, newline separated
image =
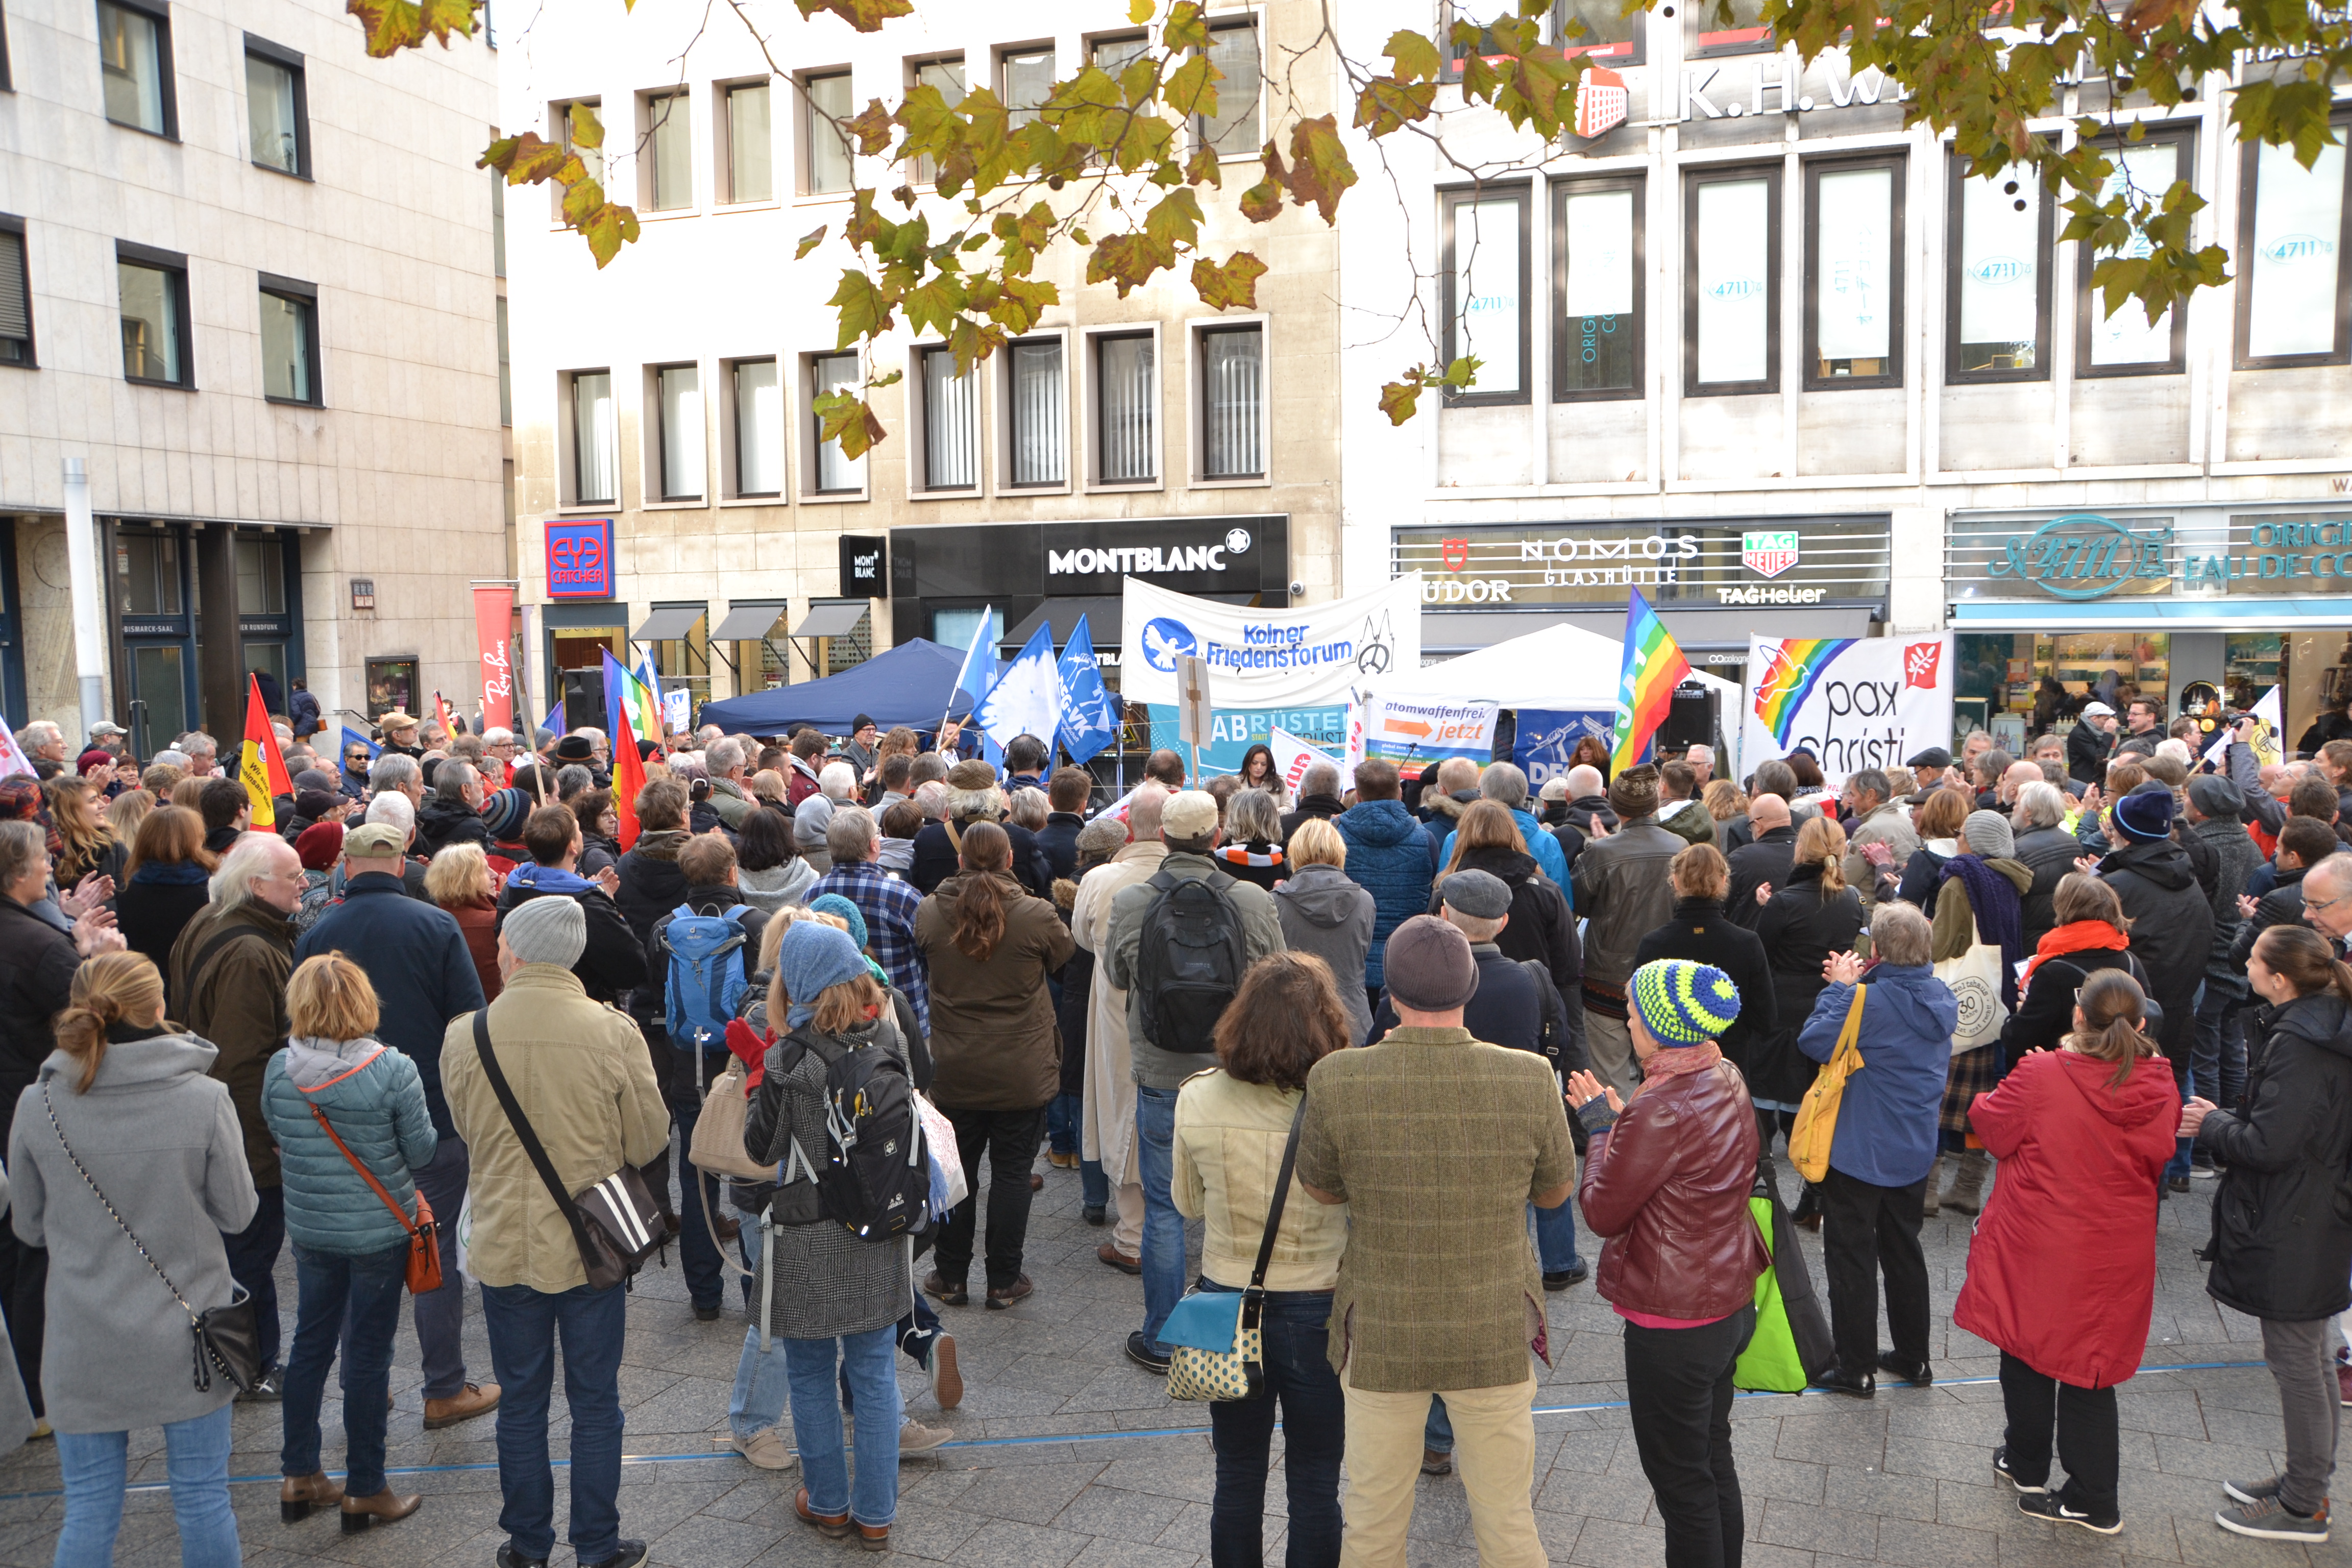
<point x="830" y="620"/>
<point x="1718" y="631"/>
<point x="2218" y="613"/>
<point x="749" y="623"/>
<point x="1102" y="623"/>
<point x="667" y="623"/>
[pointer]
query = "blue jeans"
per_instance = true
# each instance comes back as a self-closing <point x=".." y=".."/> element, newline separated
<point x="524" y="1325"/>
<point x="2218" y="1061"/>
<point x="1094" y="1188"/>
<point x="1298" y="1372"/>
<point x="2185" y="1078"/>
<point x="356" y="1299"/>
<point x="761" y="1385"/>
<point x="253" y="1264"/>
<point x="1164" y="1227"/>
<point x="1062" y="1115"/>
<point x="811" y="1365"/>
<point x="1556" y="1237"/>
<point x="96" y="1467"/>
<point x="441" y="1314"/>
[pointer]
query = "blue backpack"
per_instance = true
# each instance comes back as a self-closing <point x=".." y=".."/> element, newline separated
<point x="705" y="975"/>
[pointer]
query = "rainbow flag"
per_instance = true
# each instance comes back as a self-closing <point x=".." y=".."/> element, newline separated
<point x="1791" y="669"/>
<point x="626" y="688"/>
<point x="1653" y="667"/>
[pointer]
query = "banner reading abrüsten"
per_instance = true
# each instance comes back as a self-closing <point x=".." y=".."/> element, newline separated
<point x="1307" y="657"/>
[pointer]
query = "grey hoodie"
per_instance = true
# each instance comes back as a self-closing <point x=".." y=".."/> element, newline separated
<point x="1324" y="913"/>
<point x="777" y="887"/>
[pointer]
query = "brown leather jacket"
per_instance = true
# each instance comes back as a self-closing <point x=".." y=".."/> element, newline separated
<point x="1667" y="1187"/>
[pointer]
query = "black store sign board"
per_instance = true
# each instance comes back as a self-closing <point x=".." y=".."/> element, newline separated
<point x="1016" y="565"/>
<point x="864" y="566"/>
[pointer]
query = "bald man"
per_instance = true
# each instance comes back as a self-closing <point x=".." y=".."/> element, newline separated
<point x="1763" y="863"/>
<point x="2019" y="776"/>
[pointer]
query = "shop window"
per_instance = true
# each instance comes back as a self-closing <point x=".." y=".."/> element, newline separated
<point x="1731" y="290"/>
<point x="260" y="577"/>
<point x="277" y="109"/>
<point x="758" y="428"/>
<point x="15" y="296"/>
<point x="845" y="650"/>
<point x="2020" y="686"/>
<point x="1485" y="291"/>
<point x="1853" y="273"/>
<point x="290" y="341"/>
<point x="945" y="74"/>
<point x="1127" y="409"/>
<point x="147" y="573"/>
<point x="134" y="60"/>
<point x="2128" y="343"/>
<point x="828" y="108"/>
<point x="953" y="626"/>
<point x="665" y="168"/>
<point x="595" y="440"/>
<point x="1026" y="78"/>
<point x="1599" y="28"/>
<point x="951" y="423"/>
<point x="1232" y="402"/>
<point x="1232" y="130"/>
<point x="1596" y="277"/>
<point x="836" y="474"/>
<point x="1726" y="28"/>
<point x="683" y="662"/>
<point x="677" y="392"/>
<point x="153" y="286"/>
<point x="1036" y="405"/>
<point x="751" y="148"/>
<point x="1997" y="281"/>
<point x="2292" y="305"/>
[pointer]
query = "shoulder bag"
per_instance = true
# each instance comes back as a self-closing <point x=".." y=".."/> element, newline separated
<point x="227" y="1339"/>
<point x="1816" y="1125"/>
<point x="1974" y="978"/>
<point x="424" y="1236"/>
<point x="615" y="1222"/>
<point x="1219" y="1350"/>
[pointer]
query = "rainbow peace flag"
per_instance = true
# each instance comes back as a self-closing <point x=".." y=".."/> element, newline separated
<point x="1792" y="668"/>
<point x="1653" y="667"/>
<point x="626" y="686"/>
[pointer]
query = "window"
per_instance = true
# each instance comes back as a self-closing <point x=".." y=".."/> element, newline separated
<point x="1232" y="130"/>
<point x="678" y="394"/>
<point x="260" y="576"/>
<point x="665" y="178"/>
<point x="506" y="369"/>
<point x="134" y="57"/>
<point x="498" y="219"/>
<point x="1127" y="409"/>
<point x="1232" y="402"/>
<point x="148" y="567"/>
<point x="2128" y="343"/>
<point x="593" y="158"/>
<point x="836" y="474"/>
<point x="1112" y="56"/>
<point x="1731" y="319"/>
<point x="15" y="296"/>
<point x="2292" y="232"/>
<point x="951" y="423"/>
<point x="1596" y="348"/>
<point x="758" y="428"/>
<point x="1853" y="275"/>
<point x="1034" y="407"/>
<point x="1729" y="27"/>
<point x="290" y="341"/>
<point x="1599" y="29"/>
<point x="945" y="77"/>
<point x="1028" y="75"/>
<point x="1997" y="289"/>
<point x="277" y="111"/>
<point x="595" y="440"/>
<point x="1486" y="289"/>
<point x="750" y="158"/>
<point x="829" y="168"/>
<point x="154" y="289"/>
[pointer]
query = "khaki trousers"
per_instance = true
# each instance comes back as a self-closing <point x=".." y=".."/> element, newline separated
<point x="1127" y="1218"/>
<point x="1494" y="1453"/>
<point x="1609" y="1043"/>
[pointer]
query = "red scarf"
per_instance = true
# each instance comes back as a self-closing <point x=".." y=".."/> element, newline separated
<point x="2075" y="936"/>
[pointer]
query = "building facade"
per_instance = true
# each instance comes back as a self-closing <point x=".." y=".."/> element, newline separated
<point x="673" y="491"/>
<point x="246" y="277"/>
<point x="1754" y="347"/>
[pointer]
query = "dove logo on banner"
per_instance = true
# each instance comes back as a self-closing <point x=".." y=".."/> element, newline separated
<point x="1165" y="640"/>
<point x="1026" y="698"/>
<point x="1089" y="722"/>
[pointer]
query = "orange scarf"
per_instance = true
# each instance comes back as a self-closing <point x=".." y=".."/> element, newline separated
<point x="2075" y="936"/>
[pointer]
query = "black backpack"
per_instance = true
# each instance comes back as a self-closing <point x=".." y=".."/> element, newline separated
<point x="1190" y="963"/>
<point x="876" y="1180"/>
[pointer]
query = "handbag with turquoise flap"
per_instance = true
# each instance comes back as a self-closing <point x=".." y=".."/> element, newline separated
<point x="1218" y="1353"/>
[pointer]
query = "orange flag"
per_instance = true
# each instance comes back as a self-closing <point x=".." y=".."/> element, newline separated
<point x="441" y="712"/>
<point x="262" y="770"/>
<point x="628" y="778"/>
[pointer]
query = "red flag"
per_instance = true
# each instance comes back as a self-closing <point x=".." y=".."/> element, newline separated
<point x="628" y="778"/>
<point x="441" y="712"/>
<point x="262" y="770"/>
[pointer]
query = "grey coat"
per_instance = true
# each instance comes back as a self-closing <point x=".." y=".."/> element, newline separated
<point x="161" y="1141"/>
<point x="1324" y="913"/>
<point x="15" y="1410"/>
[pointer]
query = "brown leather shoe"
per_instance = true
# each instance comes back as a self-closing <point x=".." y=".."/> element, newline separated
<point x="359" y="1513"/>
<point x="728" y="1226"/>
<point x="874" y="1537"/>
<point x="296" y="1494"/>
<point x="1036" y="1182"/>
<point x="1018" y="1291"/>
<point x="1126" y="1263"/>
<point x="945" y="1294"/>
<point x="1060" y="1160"/>
<point x="835" y="1525"/>
<point x="474" y="1399"/>
<point x="1433" y="1463"/>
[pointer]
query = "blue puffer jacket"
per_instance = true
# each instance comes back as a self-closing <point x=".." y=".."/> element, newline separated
<point x="1551" y="858"/>
<point x="1388" y="857"/>
<point x="375" y="1098"/>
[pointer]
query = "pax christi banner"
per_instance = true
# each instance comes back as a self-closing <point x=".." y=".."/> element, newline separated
<point x="493" y="620"/>
<point x="262" y="770"/>
<point x="1852" y="702"/>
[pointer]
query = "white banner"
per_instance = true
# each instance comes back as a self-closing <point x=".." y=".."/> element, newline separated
<point x="12" y="761"/>
<point x="1428" y="727"/>
<point x="1852" y="702"/>
<point x="1307" y="657"/>
<point x="1293" y="757"/>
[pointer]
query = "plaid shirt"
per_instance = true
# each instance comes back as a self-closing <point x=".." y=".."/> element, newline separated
<point x="888" y="906"/>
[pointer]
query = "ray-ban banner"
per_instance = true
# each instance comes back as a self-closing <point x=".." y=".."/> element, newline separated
<point x="493" y="622"/>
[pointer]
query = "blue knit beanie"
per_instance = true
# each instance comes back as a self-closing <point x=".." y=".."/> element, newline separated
<point x="2145" y="815"/>
<point x="835" y="904"/>
<point x="811" y="957"/>
<point x="1682" y="1002"/>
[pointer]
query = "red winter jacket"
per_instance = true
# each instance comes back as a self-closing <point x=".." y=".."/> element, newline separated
<point x="2071" y="1219"/>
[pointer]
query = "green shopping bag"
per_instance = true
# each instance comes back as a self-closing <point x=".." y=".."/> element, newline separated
<point x="1790" y="1332"/>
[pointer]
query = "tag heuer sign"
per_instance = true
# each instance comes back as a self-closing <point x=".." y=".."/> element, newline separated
<point x="1769" y="551"/>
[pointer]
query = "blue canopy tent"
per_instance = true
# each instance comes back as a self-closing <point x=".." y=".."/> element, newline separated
<point x="909" y="685"/>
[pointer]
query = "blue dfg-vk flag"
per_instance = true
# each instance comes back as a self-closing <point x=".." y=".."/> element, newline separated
<point x="1089" y="722"/>
<point x="1026" y="698"/>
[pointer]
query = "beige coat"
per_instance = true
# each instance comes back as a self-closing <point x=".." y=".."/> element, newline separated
<point x="1109" y="1128"/>
<point x="580" y="1073"/>
<point x="1228" y="1151"/>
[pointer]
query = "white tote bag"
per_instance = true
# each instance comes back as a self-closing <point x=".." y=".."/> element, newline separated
<point x="1975" y="980"/>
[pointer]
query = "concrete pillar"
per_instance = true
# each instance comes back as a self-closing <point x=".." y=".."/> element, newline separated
<point x="220" y="646"/>
<point x="89" y="596"/>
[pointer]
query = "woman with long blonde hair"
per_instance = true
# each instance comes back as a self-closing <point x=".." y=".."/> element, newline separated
<point x="91" y="847"/>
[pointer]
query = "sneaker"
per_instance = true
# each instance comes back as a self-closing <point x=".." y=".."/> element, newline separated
<point x="2058" y="1510"/>
<point x="41" y="1429"/>
<point x="2000" y="1468"/>
<point x="947" y="1382"/>
<point x="1140" y="1352"/>
<point x="2253" y="1491"/>
<point x="946" y="1294"/>
<point x="2270" y="1520"/>
<point x="914" y="1438"/>
<point x="1001" y="1297"/>
<point x="766" y="1448"/>
<point x="1575" y="1275"/>
<point x="2202" y="1173"/>
<point x="269" y="1388"/>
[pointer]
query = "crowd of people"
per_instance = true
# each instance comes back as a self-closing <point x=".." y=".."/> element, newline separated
<point x="456" y="985"/>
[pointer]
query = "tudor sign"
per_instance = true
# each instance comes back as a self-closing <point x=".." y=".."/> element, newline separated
<point x="580" y="559"/>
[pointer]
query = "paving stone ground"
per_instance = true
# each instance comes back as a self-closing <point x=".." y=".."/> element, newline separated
<point x="1064" y="1457"/>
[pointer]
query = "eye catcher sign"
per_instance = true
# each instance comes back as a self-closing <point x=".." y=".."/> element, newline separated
<point x="1852" y="702"/>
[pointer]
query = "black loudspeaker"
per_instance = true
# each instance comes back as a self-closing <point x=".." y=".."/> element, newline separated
<point x="1691" y="720"/>
<point x="583" y="699"/>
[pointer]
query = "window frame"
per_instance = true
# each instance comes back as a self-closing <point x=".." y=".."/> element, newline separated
<point x="11" y="223"/>
<point x="921" y="484"/>
<point x="506" y="365"/>
<point x="169" y="97"/>
<point x="294" y="290"/>
<point x="569" y="409"/>
<point x="1698" y="22"/>
<point x="1009" y="425"/>
<point x="2044" y="287"/>
<point x="2182" y="135"/>
<point x="1201" y="332"/>
<point x="559" y="125"/>
<point x="657" y="492"/>
<point x="1006" y="54"/>
<point x="2242" y="327"/>
<point x="1451" y="198"/>
<point x="174" y="267"/>
<point x="1898" y="161"/>
<point x="924" y="170"/>
<point x="730" y="434"/>
<point x="1636" y="181"/>
<point x="1158" y="479"/>
<point x="722" y="134"/>
<point x="809" y="423"/>
<point x="289" y="60"/>
<point x="1196" y="125"/>
<point x="1694" y="177"/>
<point x="1556" y="19"/>
<point x="648" y="160"/>
<point x="812" y="125"/>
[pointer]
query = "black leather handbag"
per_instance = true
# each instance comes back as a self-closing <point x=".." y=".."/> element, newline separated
<point x="227" y="1339"/>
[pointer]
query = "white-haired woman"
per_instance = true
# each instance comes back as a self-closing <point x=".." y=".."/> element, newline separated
<point x="834" y="784"/>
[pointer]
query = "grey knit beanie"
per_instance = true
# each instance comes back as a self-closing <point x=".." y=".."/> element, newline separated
<point x="551" y="929"/>
<point x="1990" y="835"/>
